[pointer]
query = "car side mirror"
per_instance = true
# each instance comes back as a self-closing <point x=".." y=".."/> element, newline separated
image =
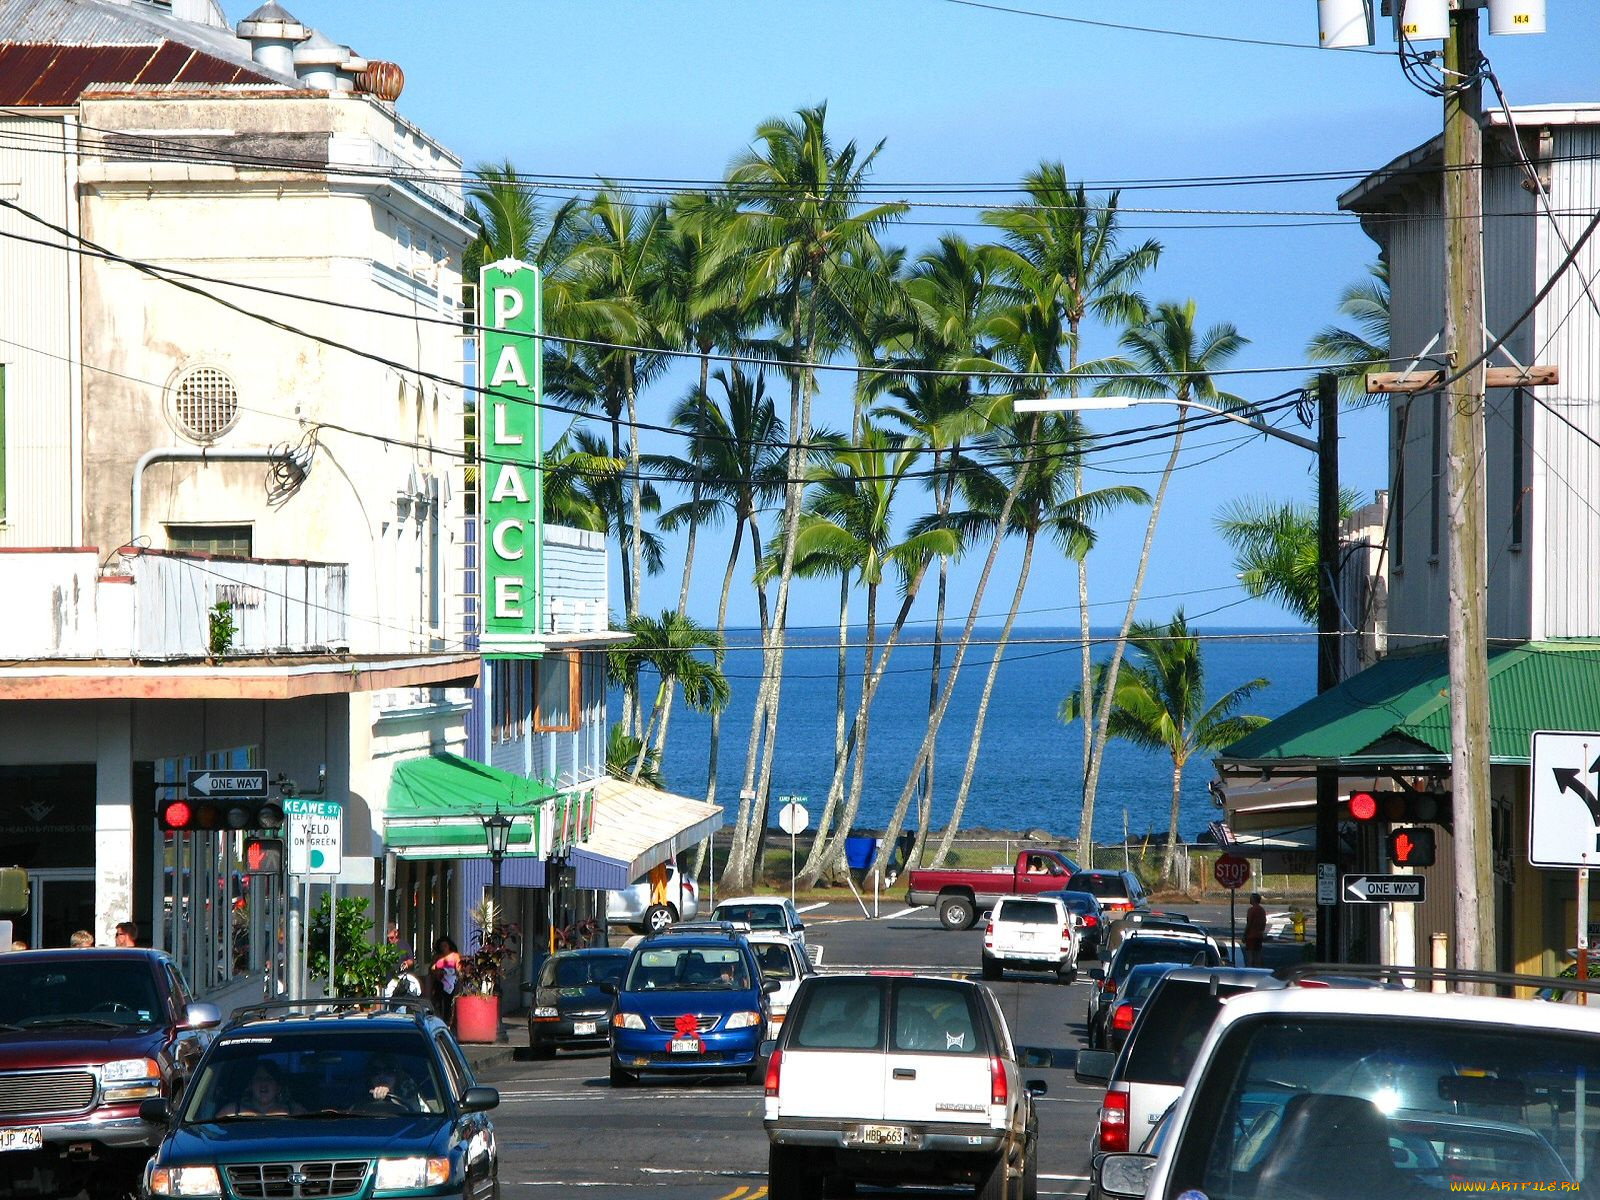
<point x="1097" y="973"/>
<point x="770" y="985"/>
<point x="607" y="986"/>
<point x="768" y="1046"/>
<point x="155" y="1111"/>
<point x="1094" y="1067"/>
<point x="480" y="1099"/>
<point x="799" y="925"/>
<point x="986" y="915"/>
<point x="202" y="1016"/>
<point x="1124" y="1175"/>
<point x="530" y="986"/>
<point x="1036" y="1087"/>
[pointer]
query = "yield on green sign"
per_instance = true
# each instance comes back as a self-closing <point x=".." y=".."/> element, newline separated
<point x="316" y="835"/>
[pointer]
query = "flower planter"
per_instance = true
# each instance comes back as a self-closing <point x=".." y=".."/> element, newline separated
<point x="477" y="1017"/>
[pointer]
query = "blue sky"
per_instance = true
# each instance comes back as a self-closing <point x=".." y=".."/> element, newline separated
<point x="968" y="95"/>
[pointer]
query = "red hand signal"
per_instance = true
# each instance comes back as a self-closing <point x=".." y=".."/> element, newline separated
<point x="1403" y="846"/>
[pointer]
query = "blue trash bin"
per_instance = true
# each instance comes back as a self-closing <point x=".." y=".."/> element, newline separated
<point x="858" y="852"/>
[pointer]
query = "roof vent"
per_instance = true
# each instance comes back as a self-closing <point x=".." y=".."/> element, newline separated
<point x="317" y="61"/>
<point x="273" y="34"/>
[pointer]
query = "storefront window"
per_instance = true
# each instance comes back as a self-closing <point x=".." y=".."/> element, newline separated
<point x="557" y="707"/>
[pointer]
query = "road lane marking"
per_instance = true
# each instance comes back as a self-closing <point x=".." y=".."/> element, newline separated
<point x="805" y="908"/>
<point x="736" y="1194"/>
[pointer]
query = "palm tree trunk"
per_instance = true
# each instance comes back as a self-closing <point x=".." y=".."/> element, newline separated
<point x="842" y="743"/>
<point x="1172" y="824"/>
<point x="635" y="500"/>
<point x="925" y="751"/>
<point x="722" y="629"/>
<point x="1102" y="719"/>
<point x="858" y="774"/>
<point x="683" y="608"/>
<point x="644" y="734"/>
<point x="1086" y="665"/>
<point x="964" y="790"/>
<point x="925" y="802"/>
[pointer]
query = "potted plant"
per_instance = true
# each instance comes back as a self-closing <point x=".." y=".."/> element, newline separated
<point x="477" y="1004"/>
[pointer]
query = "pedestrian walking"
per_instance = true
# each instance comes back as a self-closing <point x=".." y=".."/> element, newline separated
<point x="1255" y="930"/>
<point x="446" y="977"/>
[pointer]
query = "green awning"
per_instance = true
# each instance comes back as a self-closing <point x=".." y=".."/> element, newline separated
<point x="437" y="804"/>
<point x="1397" y="712"/>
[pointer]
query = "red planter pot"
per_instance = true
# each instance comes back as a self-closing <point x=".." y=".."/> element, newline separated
<point x="477" y="1018"/>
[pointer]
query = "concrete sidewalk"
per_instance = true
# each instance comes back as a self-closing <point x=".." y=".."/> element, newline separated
<point x="512" y="1043"/>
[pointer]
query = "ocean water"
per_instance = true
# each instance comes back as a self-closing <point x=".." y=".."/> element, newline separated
<point x="1029" y="766"/>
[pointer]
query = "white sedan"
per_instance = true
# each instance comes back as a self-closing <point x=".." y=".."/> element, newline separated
<point x="783" y="962"/>
<point x="631" y="905"/>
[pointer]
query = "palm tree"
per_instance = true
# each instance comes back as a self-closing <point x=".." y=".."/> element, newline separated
<point x="623" y="752"/>
<point x="1367" y="303"/>
<point x="1275" y="549"/>
<point x="1068" y="245"/>
<point x="1050" y="503"/>
<point x="1174" y="361"/>
<point x="800" y="215"/>
<point x="511" y="223"/>
<point x="672" y="645"/>
<point x="1159" y="704"/>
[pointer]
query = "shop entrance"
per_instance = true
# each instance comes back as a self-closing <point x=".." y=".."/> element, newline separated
<point x="59" y="904"/>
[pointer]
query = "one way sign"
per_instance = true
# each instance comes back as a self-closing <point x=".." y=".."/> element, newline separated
<point x="1563" y="811"/>
<point x="1383" y="889"/>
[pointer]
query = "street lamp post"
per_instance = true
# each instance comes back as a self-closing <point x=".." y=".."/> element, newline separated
<point x="1326" y="448"/>
<point x="497" y="832"/>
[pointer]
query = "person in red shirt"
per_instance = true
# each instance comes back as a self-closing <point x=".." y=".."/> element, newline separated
<point x="1255" y="931"/>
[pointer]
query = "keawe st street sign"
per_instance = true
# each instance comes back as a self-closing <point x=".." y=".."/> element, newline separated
<point x="316" y="835"/>
<point x="1383" y="889"/>
<point x="242" y="784"/>
<point x="1564" y="800"/>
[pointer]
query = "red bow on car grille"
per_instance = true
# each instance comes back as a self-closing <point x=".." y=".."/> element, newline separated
<point x="688" y="1026"/>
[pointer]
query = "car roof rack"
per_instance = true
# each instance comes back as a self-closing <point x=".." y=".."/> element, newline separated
<point x="1425" y="976"/>
<point x="326" y="1007"/>
<point x="729" y="929"/>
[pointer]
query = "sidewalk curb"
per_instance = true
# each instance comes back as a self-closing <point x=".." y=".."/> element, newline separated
<point x="513" y="1041"/>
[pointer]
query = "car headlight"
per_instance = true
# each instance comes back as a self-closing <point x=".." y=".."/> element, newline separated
<point x="546" y="1012"/>
<point x="743" y="1020"/>
<point x="185" y="1181"/>
<point x="398" y="1174"/>
<point x="130" y="1079"/>
<point x="627" y="1020"/>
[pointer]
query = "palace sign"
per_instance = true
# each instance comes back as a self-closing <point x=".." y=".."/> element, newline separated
<point x="511" y="456"/>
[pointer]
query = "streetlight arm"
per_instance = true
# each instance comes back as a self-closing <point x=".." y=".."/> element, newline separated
<point x="1087" y="403"/>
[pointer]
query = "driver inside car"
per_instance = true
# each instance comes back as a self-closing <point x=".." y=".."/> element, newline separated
<point x="387" y="1084"/>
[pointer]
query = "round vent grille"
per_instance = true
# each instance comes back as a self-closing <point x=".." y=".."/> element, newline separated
<point x="205" y="403"/>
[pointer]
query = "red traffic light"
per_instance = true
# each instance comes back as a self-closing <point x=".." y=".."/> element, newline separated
<point x="1363" y="806"/>
<point x="176" y="814"/>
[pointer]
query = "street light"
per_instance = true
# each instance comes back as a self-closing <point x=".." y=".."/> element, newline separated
<point x="1326" y="448"/>
<point x="497" y="832"/>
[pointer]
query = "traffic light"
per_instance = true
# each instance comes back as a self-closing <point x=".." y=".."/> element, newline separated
<point x="1412" y="847"/>
<point x="227" y="816"/>
<point x="263" y="856"/>
<point x="1394" y="808"/>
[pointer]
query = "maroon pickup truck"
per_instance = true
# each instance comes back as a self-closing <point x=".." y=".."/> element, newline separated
<point x="86" y="1036"/>
<point x="962" y="895"/>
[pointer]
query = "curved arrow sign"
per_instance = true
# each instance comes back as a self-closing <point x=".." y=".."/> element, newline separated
<point x="1564" y="800"/>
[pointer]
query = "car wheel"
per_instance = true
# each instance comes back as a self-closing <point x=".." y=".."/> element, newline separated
<point x="991" y="968"/>
<point x="956" y="912"/>
<point x="757" y="1072"/>
<point x="658" y="918"/>
<point x="1030" y="1172"/>
<point x="621" y="1078"/>
<point x="541" y="1052"/>
<point x="789" y="1174"/>
<point x="993" y="1184"/>
<point x="1068" y="973"/>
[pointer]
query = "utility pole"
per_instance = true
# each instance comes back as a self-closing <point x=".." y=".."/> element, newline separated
<point x="1329" y="942"/>
<point x="1467" y="546"/>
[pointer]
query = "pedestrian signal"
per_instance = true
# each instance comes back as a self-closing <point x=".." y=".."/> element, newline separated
<point x="263" y="856"/>
<point x="1412" y="847"/>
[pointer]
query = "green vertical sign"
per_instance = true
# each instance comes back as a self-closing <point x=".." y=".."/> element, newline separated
<point x="511" y="373"/>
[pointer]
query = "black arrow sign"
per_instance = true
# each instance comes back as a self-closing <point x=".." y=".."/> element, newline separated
<point x="1567" y="781"/>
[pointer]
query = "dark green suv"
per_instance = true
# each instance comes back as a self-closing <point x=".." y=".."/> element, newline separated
<point x="346" y="1098"/>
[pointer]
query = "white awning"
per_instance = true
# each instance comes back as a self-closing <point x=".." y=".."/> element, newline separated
<point x="638" y="827"/>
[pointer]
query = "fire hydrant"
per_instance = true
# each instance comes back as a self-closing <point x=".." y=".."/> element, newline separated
<point x="1298" y="920"/>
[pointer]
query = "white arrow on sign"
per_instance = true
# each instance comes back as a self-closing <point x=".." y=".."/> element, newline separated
<point x="1382" y="889"/>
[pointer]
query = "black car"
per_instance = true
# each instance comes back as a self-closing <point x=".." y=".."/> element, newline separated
<point x="571" y="1007"/>
<point x="1092" y="919"/>
<point x="1129" y="1000"/>
<point x="328" y="1098"/>
<point x="1146" y="948"/>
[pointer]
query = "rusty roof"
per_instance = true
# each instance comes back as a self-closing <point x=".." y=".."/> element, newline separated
<point x="33" y="74"/>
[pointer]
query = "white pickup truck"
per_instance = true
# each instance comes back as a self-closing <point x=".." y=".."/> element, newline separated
<point x="889" y="1079"/>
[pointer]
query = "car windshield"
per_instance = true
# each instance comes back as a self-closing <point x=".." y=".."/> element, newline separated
<point x="757" y="916"/>
<point x="1079" y="903"/>
<point x="334" y="1072"/>
<point x="1029" y="912"/>
<point x="38" y="993"/>
<point x="1100" y="885"/>
<point x="696" y="968"/>
<point x="1141" y="981"/>
<point x="1164" y="1049"/>
<point x="1189" y="952"/>
<point x="581" y="970"/>
<point x="1383" y="1107"/>
<point x="777" y="962"/>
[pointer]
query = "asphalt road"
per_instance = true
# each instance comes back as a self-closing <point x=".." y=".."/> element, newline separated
<point x="560" y="1125"/>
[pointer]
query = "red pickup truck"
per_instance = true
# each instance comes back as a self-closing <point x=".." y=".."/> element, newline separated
<point x="962" y="895"/>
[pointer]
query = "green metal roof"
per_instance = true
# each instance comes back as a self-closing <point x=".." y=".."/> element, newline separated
<point x="1398" y="710"/>
<point x="445" y="785"/>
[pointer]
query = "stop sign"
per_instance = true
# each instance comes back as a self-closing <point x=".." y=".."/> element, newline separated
<point x="1231" y="871"/>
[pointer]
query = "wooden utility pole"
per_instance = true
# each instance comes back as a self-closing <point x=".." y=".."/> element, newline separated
<point x="1330" y="943"/>
<point x="1467" y="550"/>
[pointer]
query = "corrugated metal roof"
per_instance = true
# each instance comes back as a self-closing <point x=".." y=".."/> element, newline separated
<point x="1399" y="709"/>
<point x="54" y="76"/>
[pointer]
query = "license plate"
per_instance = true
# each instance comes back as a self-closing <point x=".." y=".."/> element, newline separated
<point x="582" y="1027"/>
<point x="27" y="1138"/>
<point x="685" y="1046"/>
<point x="882" y="1135"/>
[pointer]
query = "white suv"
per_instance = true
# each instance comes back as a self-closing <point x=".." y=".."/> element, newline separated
<point x="1030" y="933"/>
<point x="1331" y="1093"/>
<point x="889" y="1079"/>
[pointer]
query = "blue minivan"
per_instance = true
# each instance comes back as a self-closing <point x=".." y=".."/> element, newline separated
<point x="690" y="1002"/>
